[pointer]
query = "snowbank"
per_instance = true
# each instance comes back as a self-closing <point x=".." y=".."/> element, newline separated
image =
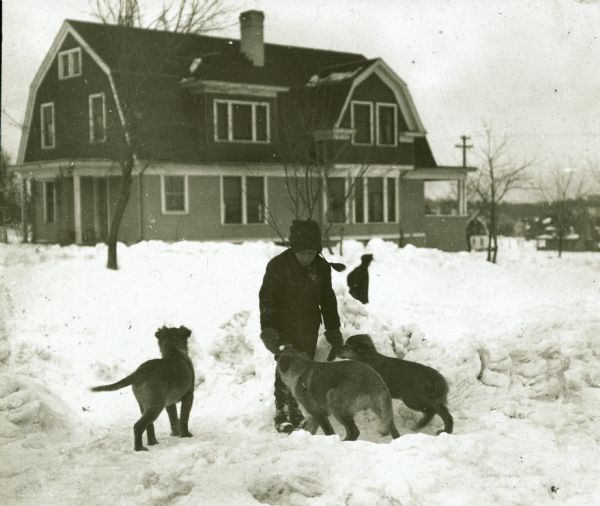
<point x="518" y="343"/>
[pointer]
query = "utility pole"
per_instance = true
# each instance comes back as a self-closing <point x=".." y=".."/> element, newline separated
<point x="462" y="184"/>
<point x="464" y="146"/>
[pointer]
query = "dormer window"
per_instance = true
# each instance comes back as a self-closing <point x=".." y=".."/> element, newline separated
<point x="241" y="121"/>
<point x="387" y="120"/>
<point x="69" y="63"/>
<point x="362" y="122"/>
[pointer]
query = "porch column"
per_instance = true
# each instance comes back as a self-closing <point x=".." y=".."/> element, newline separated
<point x="462" y="197"/>
<point x="24" y="213"/>
<point x="77" y="207"/>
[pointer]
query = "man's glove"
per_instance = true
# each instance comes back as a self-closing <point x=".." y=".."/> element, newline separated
<point x="271" y="339"/>
<point x="335" y="339"/>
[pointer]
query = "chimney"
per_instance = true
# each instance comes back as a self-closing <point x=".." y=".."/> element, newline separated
<point x="252" y="42"/>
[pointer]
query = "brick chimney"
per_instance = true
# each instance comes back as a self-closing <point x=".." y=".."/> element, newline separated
<point x="252" y="42"/>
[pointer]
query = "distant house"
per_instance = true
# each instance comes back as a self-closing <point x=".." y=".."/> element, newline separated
<point x="209" y="144"/>
<point x="582" y="235"/>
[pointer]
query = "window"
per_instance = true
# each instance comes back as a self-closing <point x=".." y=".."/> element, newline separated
<point x="359" y="200"/>
<point x="391" y="199"/>
<point x="238" y="121"/>
<point x="244" y="199"/>
<point x="336" y="198"/>
<point x="97" y="108"/>
<point x="255" y="198"/>
<point x="49" y="202"/>
<point x="362" y="113"/>
<point x="375" y="200"/>
<point x="386" y="124"/>
<point x="174" y="194"/>
<point x="69" y="63"/>
<point x="48" y="125"/>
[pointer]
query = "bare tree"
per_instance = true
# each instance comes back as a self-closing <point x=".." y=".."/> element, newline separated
<point x="9" y="205"/>
<point x="563" y="191"/>
<point x="182" y="16"/>
<point x="498" y="175"/>
<point x="308" y="154"/>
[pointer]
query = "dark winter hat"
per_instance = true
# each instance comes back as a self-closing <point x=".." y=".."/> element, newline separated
<point x="366" y="258"/>
<point x="305" y="234"/>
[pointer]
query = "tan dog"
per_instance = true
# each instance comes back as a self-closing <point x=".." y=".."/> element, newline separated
<point x="420" y="387"/>
<point x="162" y="382"/>
<point x="340" y="389"/>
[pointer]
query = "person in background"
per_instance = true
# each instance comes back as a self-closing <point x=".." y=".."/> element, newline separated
<point x="358" y="279"/>
<point x="295" y="296"/>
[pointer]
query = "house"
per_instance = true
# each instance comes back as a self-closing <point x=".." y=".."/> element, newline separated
<point x="212" y="122"/>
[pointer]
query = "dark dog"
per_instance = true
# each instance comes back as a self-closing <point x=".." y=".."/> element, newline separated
<point x="340" y="389"/>
<point x="420" y="387"/>
<point x="162" y="382"/>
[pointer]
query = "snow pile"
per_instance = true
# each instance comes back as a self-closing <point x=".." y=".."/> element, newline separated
<point x="518" y="342"/>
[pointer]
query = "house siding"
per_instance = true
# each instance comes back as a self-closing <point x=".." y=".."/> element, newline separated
<point x="448" y="233"/>
<point x="71" y="112"/>
<point x="203" y="221"/>
<point x="412" y="206"/>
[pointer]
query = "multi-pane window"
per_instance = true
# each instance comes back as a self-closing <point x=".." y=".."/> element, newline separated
<point x="97" y="113"/>
<point x="243" y="199"/>
<point x="239" y="121"/>
<point x="359" y="200"/>
<point x="386" y="124"/>
<point x="362" y="114"/>
<point x="375" y="200"/>
<point x="336" y="200"/>
<point x="69" y="63"/>
<point x="49" y="201"/>
<point x="391" y="199"/>
<point x="174" y="194"/>
<point x="48" y="125"/>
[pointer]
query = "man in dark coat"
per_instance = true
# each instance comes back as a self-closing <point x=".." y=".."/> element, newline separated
<point x="358" y="280"/>
<point x="295" y="295"/>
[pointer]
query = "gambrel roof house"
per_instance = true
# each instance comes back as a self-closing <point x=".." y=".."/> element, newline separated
<point x="219" y="125"/>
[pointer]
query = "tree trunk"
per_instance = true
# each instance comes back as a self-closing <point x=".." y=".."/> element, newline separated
<point x="560" y="244"/>
<point x="126" y="170"/>
<point x="495" y="249"/>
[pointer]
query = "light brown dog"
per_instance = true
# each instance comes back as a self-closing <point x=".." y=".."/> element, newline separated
<point x="420" y="387"/>
<point x="161" y="383"/>
<point x="340" y="389"/>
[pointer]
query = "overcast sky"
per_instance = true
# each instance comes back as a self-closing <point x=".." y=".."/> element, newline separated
<point x="531" y="68"/>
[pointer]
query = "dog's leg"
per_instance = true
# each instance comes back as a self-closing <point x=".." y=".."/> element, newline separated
<point x="311" y="425"/>
<point x="173" y="420"/>
<point x="150" y="435"/>
<point x="186" y="406"/>
<point x="149" y="415"/>
<point x="323" y="420"/>
<point x="347" y="421"/>
<point x="428" y="414"/>
<point x="447" y="417"/>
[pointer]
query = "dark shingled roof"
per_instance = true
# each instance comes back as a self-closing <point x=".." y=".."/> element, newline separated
<point x="222" y="59"/>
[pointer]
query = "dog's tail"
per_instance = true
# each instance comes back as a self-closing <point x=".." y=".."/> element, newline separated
<point x="383" y="409"/>
<point x="125" y="382"/>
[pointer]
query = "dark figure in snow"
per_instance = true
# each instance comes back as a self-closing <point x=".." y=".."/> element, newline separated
<point x="296" y="294"/>
<point x="358" y="280"/>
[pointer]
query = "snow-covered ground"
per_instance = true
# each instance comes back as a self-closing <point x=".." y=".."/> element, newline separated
<point x="519" y="343"/>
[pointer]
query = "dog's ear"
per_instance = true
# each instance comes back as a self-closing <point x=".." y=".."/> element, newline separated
<point x="184" y="331"/>
<point x="161" y="332"/>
